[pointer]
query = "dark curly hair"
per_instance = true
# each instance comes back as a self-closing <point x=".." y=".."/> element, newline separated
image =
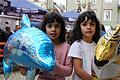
<point x="77" y="34"/>
<point x="54" y="17"/>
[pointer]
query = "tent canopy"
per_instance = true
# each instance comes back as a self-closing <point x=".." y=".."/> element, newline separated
<point x="36" y="24"/>
<point x="19" y="7"/>
<point x="70" y="15"/>
<point x="25" y="4"/>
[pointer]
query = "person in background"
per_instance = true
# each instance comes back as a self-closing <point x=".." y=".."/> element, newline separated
<point x="54" y="26"/>
<point x="8" y="32"/>
<point x="68" y="36"/>
<point x="2" y="35"/>
<point x="102" y="30"/>
<point x="17" y="27"/>
<point x="85" y="35"/>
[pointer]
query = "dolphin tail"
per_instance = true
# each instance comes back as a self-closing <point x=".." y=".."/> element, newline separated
<point x="7" y="68"/>
<point x="25" y="21"/>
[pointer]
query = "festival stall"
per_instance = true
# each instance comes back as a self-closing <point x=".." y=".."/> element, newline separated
<point x="70" y="18"/>
<point x="14" y="9"/>
<point x="70" y="15"/>
<point x="34" y="11"/>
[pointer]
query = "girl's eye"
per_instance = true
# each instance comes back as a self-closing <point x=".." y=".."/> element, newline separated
<point x="84" y="24"/>
<point x="49" y="25"/>
<point x="92" y="24"/>
<point x="56" y="25"/>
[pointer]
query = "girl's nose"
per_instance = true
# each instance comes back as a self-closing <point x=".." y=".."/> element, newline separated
<point x="88" y="26"/>
<point x="53" y="28"/>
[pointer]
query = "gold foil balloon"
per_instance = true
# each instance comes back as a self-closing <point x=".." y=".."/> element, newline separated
<point x="107" y="45"/>
<point x="107" y="57"/>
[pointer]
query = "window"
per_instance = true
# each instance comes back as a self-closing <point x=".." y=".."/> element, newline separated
<point x="93" y="1"/>
<point x="107" y="15"/>
<point x="77" y="1"/>
<point x="108" y="1"/>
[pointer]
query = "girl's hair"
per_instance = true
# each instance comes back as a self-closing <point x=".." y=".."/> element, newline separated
<point x="51" y="18"/>
<point x="102" y="27"/>
<point x="77" y="34"/>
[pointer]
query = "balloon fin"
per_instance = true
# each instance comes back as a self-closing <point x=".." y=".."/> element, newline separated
<point x="30" y="74"/>
<point x="25" y="21"/>
<point x="7" y="68"/>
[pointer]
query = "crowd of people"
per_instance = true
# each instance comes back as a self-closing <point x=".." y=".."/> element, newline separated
<point x="73" y="60"/>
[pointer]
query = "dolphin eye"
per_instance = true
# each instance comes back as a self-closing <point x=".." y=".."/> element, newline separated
<point x="23" y="48"/>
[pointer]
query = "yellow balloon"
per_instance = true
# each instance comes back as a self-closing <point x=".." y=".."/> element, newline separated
<point x="107" y="45"/>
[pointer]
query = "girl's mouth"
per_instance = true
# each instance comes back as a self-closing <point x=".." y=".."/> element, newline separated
<point x="53" y="35"/>
<point x="88" y="31"/>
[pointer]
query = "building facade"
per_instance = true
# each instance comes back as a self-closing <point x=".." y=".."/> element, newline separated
<point x="107" y="11"/>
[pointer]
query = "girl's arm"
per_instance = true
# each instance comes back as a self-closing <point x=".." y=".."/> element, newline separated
<point x="64" y="70"/>
<point x="64" y="66"/>
<point x="77" y="63"/>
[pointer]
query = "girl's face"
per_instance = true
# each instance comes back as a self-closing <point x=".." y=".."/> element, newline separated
<point x="88" y="30"/>
<point x="53" y="30"/>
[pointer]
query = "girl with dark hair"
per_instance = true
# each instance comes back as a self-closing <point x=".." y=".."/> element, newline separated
<point x="53" y="24"/>
<point x="53" y="18"/>
<point x="85" y="35"/>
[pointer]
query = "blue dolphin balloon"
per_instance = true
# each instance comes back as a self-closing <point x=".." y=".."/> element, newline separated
<point x="28" y="47"/>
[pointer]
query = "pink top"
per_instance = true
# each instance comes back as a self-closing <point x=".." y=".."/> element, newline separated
<point x="63" y="65"/>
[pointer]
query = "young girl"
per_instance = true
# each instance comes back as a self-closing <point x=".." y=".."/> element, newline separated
<point x="54" y="25"/>
<point x="84" y="37"/>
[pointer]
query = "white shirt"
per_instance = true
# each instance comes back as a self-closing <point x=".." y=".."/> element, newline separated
<point x="84" y="51"/>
